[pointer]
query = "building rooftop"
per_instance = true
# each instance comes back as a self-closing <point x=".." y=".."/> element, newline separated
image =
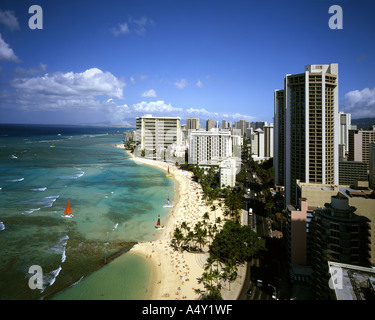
<point x="150" y="116"/>
<point x="351" y="282"/>
<point x="350" y="193"/>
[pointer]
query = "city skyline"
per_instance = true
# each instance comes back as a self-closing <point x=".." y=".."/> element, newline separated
<point x="108" y="62"/>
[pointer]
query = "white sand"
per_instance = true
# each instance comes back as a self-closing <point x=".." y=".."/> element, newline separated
<point x="175" y="273"/>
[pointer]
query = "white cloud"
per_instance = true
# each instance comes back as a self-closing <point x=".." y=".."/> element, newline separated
<point x="360" y="103"/>
<point x="155" y="106"/>
<point x="201" y="112"/>
<point x="199" y="84"/>
<point x="117" y="114"/>
<point x="9" y="19"/>
<point x="92" y="82"/>
<point x="122" y="28"/>
<point x="137" y="26"/>
<point x="149" y="94"/>
<point x="94" y="93"/>
<point x="7" y="53"/>
<point x="181" y="84"/>
<point x="238" y="116"/>
<point x="134" y="78"/>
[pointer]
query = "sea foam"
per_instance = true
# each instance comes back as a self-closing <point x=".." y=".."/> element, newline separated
<point x="74" y="176"/>
<point x="39" y="189"/>
<point x="16" y="180"/>
<point x="45" y="202"/>
<point x="31" y="210"/>
<point x="59" y="247"/>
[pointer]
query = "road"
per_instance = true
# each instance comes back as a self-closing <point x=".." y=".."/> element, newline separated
<point x="272" y="267"/>
<point x="256" y="219"/>
<point x="256" y="292"/>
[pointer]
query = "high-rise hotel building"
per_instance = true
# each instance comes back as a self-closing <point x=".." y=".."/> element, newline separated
<point x="306" y="129"/>
<point x="192" y="123"/>
<point x="156" y="133"/>
<point x="209" y="147"/>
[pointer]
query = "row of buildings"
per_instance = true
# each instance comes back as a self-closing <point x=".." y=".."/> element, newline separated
<point x="325" y="165"/>
<point x="327" y="169"/>
<point x="165" y="138"/>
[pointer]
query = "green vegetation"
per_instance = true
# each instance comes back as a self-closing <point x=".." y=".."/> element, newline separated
<point x="236" y="243"/>
<point x="229" y="245"/>
<point x="129" y="146"/>
<point x="232" y="246"/>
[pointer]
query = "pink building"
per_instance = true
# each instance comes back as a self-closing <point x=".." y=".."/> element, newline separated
<point x="298" y="236"/>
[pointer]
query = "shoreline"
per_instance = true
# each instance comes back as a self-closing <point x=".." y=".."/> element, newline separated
<point x="174" y="273"/>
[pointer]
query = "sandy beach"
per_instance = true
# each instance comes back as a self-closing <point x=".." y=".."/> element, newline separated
<point x="175" y="273"/>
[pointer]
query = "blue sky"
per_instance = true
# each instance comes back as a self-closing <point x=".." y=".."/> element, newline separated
<point x="111" y="61"/>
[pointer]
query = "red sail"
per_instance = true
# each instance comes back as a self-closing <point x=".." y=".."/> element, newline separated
<point x="67" y="209"/>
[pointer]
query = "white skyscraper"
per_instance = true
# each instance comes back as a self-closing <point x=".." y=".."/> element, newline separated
<point x="208" y="147"/>
<point x="157" y="133"/>
<point x="345" y="126"/>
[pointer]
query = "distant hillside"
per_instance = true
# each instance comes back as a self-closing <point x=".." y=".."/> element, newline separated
<point x="364" y="123"/>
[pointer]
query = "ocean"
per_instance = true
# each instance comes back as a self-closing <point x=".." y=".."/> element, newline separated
<point x="115" y="202"/>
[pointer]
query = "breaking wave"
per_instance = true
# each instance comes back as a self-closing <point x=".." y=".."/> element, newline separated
<point x="74" y="176"/>
<point x="31" y="210"/>
<point x="16" y="180"/>
<point x="39" y="189"/>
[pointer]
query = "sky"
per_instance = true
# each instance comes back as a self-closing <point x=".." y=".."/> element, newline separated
<point x="108" y="62"/>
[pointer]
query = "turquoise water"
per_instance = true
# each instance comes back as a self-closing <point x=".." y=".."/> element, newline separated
<point x="114" y="202"/>
<point x="126" y="278"/>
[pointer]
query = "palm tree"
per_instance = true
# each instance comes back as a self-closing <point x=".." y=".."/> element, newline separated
<point x="206" y="216"/>
<point x="178" y="236"/>
<point x="201" y="238"/>
<point x="211" y="232"/>
<point x="190" y="236"/>
<point x="200" y="234"/>
<point x="185" y="226"/>
<point x="206" y="279"/>
<point x="218" y="220"/>
<point x="209" y="262"/>
<point x="216" y="274"/>
<point x="230" y="271"/>
<point x="226" y="213"/>
<point x="213" y="208"/>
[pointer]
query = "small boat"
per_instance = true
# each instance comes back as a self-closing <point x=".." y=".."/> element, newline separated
<point x="158" y="225"/>
<point x="168" y="205"/>
<point x="168" y="173"/>
<point x="68" y="212"/>
<point x="52" y="145"/>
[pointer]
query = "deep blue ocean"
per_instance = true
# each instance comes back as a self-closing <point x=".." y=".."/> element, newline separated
<point x="113" y="199"/>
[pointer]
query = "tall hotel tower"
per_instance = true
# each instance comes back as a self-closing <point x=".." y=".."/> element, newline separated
<point x="306" y="129"/>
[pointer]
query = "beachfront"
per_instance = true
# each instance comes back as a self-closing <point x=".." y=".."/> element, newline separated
<point x="175" y="273"/>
